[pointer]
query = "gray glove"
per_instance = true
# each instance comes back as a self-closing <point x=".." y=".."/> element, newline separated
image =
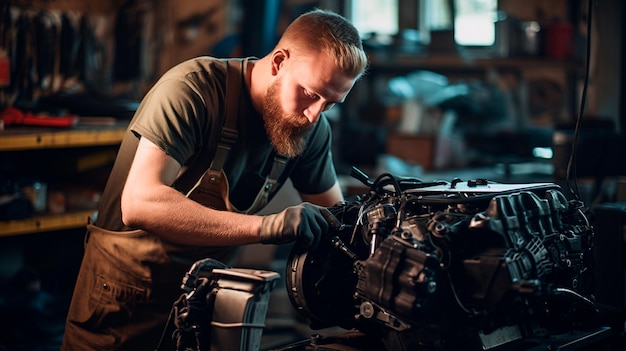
<point x="305" y="222"/>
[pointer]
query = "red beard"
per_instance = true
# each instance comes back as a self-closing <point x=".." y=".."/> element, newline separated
<point x="287" y="133"/>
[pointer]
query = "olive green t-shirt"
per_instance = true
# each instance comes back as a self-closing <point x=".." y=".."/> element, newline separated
<point x="182" y="114"/>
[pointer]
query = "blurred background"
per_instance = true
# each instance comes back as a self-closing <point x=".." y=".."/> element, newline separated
<point x="456" y="88"/>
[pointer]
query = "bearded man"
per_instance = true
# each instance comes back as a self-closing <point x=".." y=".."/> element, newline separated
<point x="210" y="144"/>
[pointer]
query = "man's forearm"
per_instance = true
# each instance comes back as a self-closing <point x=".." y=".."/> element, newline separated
<point x="169" y="214"/>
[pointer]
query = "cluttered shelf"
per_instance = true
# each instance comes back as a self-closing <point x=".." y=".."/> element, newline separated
<point x="103" y="133"/>
<point x="46" y="223"/>
<point x="87" y="132"/>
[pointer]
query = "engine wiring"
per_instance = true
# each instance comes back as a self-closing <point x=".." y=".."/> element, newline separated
<point x="570" y="176"/>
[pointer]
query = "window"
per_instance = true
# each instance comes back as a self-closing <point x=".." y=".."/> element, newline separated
<point x="473" y="20"/>
<point x="374" y="16"/>
<point x="437" y="14"/>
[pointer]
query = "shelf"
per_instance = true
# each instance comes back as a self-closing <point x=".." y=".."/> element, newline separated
<point x="34" y="138"/>
<point x="460" y="62"/>
<point x="46" y="223"/>
<point x="21" y="138"/>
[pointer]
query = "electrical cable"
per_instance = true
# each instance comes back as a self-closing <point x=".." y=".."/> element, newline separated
<point x="571" y="169"/>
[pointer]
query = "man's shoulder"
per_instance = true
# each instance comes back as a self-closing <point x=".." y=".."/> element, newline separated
<point x="202" y="71"/>
<point x="197" y="66"/>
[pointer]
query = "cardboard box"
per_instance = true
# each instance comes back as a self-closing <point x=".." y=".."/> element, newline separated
<point x="414" y="149"/>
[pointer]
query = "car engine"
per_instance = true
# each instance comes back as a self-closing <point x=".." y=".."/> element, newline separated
<point x="448" y="265"/>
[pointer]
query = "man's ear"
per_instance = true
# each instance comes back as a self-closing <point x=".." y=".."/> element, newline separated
<point x="278" y="58"/>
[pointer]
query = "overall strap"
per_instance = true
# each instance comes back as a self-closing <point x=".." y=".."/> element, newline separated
<point x="229" y="133"/>
<point x="280" y="161"/>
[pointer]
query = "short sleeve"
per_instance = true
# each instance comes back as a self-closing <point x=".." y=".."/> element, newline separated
<point x="174" y="117"/>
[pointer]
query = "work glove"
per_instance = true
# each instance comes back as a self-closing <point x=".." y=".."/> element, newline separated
<point x="305" y="222"/>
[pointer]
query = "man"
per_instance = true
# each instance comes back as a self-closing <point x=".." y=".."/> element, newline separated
<point x="185" y="174"/>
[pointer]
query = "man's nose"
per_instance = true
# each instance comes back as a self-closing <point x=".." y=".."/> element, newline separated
<point x="313" y="111"/>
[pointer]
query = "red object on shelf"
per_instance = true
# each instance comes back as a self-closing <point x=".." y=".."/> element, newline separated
<point x="12" y="115"/>
<point x="5" y="69"/>
<point x="560" y="40"/>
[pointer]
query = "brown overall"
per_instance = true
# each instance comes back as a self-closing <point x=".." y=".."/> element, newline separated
<point x="129" y="280"/>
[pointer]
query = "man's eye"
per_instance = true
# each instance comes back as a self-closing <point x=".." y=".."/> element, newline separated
<point x="310" y="94"/>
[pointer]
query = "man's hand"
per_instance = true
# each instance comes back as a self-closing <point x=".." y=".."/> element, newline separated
<point x="305" y="222"/>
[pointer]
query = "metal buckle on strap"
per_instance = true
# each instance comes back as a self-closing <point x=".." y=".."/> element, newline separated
<point x="213" y="176"/>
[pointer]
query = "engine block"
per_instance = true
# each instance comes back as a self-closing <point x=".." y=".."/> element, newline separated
<point x="442" y="265"/>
